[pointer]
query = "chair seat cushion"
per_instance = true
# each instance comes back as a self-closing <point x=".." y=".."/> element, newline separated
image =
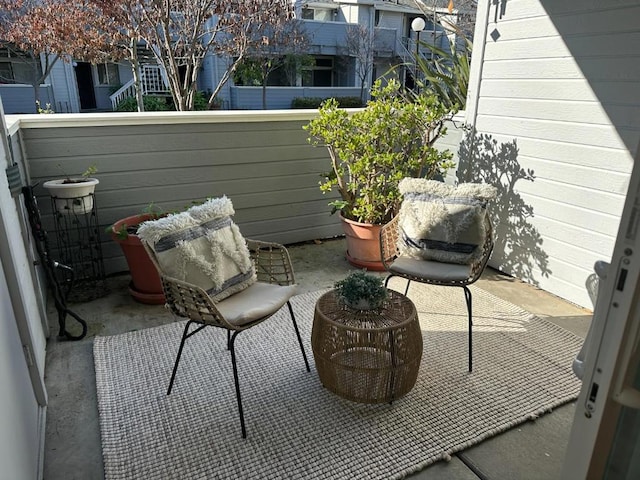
<point x="442" y="222"/>
<point x="202" y="246"/>
<point x="255" y="302"/>
<point x="431" y="270"/>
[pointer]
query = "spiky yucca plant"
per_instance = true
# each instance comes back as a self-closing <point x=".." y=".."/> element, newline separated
<point x="447" y="73"/>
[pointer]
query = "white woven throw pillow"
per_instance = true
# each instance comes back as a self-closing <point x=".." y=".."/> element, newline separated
<point x="202" y="246"/>
<point x="442" y="222"/>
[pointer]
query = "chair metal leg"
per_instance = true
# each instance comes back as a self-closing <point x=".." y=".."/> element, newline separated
<point x="295" y="326"/>
<point x="185" y="335"/>
<point x="237" y="383"/>
<point x="467" y="295"/>
<point x="386" y="283"/>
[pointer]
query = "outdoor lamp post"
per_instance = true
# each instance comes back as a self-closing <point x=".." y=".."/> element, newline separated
<point x="417" y="25"/>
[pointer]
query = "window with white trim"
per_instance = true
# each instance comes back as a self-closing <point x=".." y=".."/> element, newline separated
<point x="108" y="74"/>
<point x="320" y="14"/>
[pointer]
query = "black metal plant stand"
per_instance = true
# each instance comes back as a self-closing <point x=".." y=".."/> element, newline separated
<point x="59" y="276"/>
<point x="78" y="245"/>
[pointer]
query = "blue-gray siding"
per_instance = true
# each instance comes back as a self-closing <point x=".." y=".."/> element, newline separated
<point x="250" y="98"/>
<point x="21" y="98"/>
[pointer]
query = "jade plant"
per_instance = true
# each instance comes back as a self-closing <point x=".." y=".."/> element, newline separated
<point x="361" y="290"/>
<point x="372" y="149"/>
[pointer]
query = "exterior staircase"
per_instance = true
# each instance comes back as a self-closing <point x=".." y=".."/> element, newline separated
<point x="408" y="58"/>
<point x="153" y="80"/>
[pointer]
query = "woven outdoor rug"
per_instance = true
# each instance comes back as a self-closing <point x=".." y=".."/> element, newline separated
<point x="298" y="429"/>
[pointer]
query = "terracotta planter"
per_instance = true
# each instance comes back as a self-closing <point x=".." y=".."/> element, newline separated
<point x="145" y="286"/>
<point x="363" y="244"/>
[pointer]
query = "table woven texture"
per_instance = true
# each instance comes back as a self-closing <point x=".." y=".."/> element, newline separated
<point x="367" y="356"/>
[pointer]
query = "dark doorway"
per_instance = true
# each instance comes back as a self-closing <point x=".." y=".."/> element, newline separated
<point x="84" y="78"/>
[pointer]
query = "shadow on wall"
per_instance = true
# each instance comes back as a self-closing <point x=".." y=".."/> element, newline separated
<point x="518" y="244"/>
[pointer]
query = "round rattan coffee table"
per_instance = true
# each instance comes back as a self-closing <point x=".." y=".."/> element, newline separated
<point x="367" y="356"/>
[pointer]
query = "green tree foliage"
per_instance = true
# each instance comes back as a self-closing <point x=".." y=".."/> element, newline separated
<point x="37" y="33"/>
<point x="182" y="33"/>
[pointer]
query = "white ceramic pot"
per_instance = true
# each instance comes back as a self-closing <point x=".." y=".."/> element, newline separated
<point x="72" y="197"/>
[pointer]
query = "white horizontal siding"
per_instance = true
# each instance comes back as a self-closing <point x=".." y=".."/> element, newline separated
<point x="623" y="44"/>
<point x="562" y="89"/>
<point x="600" y="69"/>
<point x="451" y="141"/>
<point x="583" y="237"/>
<point x="581" y="176"/>
<point x="594" y="22"/>
<point x="576" y="12"/>
<point x="567" y="154"/>
<point x="561" y="81"/>
<point x="573" y="111"/>
<point x="606" y="136"/>
<point x="574" y="216"/>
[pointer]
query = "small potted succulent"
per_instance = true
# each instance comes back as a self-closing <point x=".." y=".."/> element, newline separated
<point x="361" y="291"/>
<point x="73" y="194"/>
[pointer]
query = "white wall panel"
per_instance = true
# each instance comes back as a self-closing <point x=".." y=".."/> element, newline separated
<point x="567" y="154"/>
<point x="560" y="83"/>
<point x="561" y="89"/>
<point x="555" y="130"/>
<point x="20" y="434"/>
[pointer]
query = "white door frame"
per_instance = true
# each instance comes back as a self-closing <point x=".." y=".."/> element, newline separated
<point x="612" y="354"/>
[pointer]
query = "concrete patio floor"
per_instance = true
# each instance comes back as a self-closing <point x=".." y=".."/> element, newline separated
<point x="534" y="450"/>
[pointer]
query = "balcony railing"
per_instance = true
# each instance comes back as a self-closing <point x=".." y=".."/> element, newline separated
<point x="260" y="159"/>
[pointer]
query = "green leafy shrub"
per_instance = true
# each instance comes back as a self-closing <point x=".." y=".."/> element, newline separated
<point x="306" y="102"/>
<point x="349" y="102"/>
<point x="151" y="104"/>
<point x="160" y="104"/>
<point x="374" y="148"/>
<point x="200" y="101"/>
<point x="316" y="102"/>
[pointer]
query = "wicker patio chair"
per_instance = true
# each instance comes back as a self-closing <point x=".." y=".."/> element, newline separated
<point x="240" y="311"/>
<point x="432" y="272"/>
